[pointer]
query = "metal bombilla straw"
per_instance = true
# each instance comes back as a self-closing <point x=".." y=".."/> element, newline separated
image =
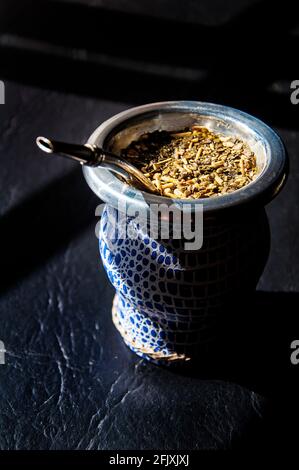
<point x="91" y="155"/>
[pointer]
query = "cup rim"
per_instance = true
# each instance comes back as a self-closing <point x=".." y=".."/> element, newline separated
<point x="262" y="190"/>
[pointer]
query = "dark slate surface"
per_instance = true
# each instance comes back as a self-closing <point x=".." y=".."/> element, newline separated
<point x="68" y="381"/>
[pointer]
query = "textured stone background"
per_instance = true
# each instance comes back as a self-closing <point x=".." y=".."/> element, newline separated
<point x="69" y="382"/>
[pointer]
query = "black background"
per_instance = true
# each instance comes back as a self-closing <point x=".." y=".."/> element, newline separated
<point x="68" y="381"/>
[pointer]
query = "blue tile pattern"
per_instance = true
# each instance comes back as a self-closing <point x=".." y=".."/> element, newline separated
<point x="167" y="299"/>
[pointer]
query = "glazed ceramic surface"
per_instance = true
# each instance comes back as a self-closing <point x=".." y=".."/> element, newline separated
<point x="168" y="300"/>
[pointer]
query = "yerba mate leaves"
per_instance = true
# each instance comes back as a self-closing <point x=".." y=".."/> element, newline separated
<point x="194" y="163"/>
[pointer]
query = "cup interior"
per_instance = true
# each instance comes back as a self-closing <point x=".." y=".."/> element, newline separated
<point x="120" y="130"/>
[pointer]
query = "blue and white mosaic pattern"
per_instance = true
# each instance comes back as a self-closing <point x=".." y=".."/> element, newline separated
<point x="167" y="299"/>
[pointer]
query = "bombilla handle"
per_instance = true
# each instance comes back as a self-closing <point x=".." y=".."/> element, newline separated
<point x="85" y="154"/>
